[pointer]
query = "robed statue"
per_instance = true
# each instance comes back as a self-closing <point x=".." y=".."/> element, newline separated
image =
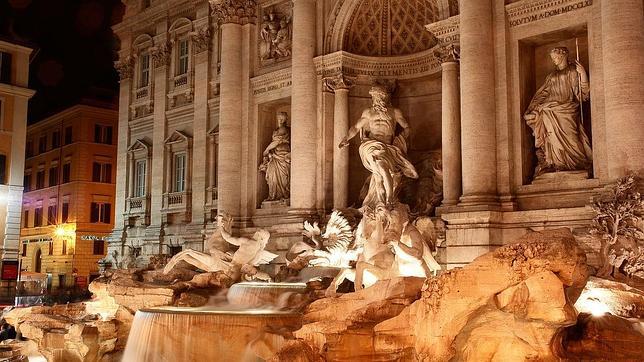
<point x="554" y="115"/>
<point x="383" y="151"/>
<point x="276" y="163"/>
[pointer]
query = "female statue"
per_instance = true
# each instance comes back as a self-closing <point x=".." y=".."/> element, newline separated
<point x="277" y="161"/>
<point x="554" y="116"/>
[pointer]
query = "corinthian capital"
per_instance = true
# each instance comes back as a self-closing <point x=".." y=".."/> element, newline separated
<point x="125" y="67"/>
<point x="234" y="11"/>
<point x="447" y="52"/>
<point x="339" y="81"/>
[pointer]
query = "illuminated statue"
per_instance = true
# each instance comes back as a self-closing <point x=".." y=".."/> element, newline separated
<point x="277" y="161"/>
<point x="383" y="152"/>
<point x="249" y="255"/>
<point x="554" y="117"/>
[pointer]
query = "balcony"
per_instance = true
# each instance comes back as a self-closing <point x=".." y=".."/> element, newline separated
<point x="137" y="205"/>
<point x="142" y="93"/>
<point x="176" y="202"/>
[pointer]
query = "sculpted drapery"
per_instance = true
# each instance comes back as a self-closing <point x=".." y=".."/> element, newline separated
<point x="276" y="164"/>
<point x="554" y="117"/>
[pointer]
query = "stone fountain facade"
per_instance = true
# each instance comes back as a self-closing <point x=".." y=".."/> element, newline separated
<point x="203" y="83"/>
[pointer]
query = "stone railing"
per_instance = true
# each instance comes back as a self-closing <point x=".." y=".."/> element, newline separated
<point x="176" y="201"/>
<point x="180" y="80"/>
<point x="142" y="92"/>
<point x="137" y="205"/>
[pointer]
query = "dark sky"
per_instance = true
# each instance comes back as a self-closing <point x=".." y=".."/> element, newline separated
<point x="76" y="49"/>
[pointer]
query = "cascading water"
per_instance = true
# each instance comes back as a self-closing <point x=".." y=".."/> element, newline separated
<point x="247" y="329"/>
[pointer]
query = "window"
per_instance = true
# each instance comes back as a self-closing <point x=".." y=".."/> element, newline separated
<point x="182" y="64"/>
<point x="42" y="144"/>
<point x="38" y="217"/>
<point x="99" y="247"/>
<point x="29" y="149"/>
<point x="179" y="172"/>
<point x="5" y="67"/>
<point x="55" y="139"/>
<point x="52" y="214"/>
<point x="144" y="72"/>
<point x="67" y="171"/>
<point x="64" y="247"/>
<point x="24" y="249"/>
<point x="53" y="176"/>
<point x="25" y="219"/>
<point x="1" y="115"/>
<point x="65" y="214"/>
<point x="145" y="4"/>
<point x="139" y="188"/>
<point x="26" y="181"/>
<point x="40" y="179"/>
<point x="68" y="135"/>
<point x="103" y="134"/>
<point x="102" y="172"/>
<point x="51" y="248"/>
<point x="100" y="212"/>
<point x="3" y="169"/>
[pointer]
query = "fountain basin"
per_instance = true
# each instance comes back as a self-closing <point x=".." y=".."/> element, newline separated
<point x="256" y="295"/>
<point x="207" y="334"/>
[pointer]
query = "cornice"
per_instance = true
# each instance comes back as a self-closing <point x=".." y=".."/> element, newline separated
<point x="527" y="11"/>
<point x="16" y="91"/>
<point x="271" y="81"/>
<point x="401" y="67"/>
<point x="446" y="31"/>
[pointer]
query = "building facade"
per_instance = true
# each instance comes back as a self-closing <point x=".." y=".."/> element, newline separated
<point x="202" y="84"/>
<point x="69" y="180"/>
<point x="14" y="98"/>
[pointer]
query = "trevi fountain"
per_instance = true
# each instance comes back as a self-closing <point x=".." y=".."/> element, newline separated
<point x="371" y="180"/>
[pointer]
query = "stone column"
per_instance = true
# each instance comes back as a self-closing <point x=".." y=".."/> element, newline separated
<point x="161" y="61"/>
<point x="125" y="70"/>
<point x="212" y="162"/>
<point x="303" y="107"/>
<point x="478" y="114"/>
<point x="132" y="180"/>
<point x="199" y="171"/>
<point x="232" y="14"/>
<point x="340" y="85"/>
<point x="623" y="58"/>
<point x="451" y="126"/>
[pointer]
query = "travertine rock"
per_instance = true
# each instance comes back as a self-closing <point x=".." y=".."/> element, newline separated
<point x="341" y="328"/>
<point x="545" y="262"/>
<point x="66" y="333"/>
<point x="505" y="305"/>
<point x="603" y="338"/>
<point x="611" y="297"/>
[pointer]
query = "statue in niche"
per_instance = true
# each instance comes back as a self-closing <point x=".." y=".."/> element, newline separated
<point x="276" y="36"/>
<point x="554" y="115"/>
<point x="276" y="163"/>
<point x="383" y="152"/>
<point x="238" y="265"/>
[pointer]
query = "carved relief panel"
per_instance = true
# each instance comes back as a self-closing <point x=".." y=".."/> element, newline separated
<point x="275" y="27"/>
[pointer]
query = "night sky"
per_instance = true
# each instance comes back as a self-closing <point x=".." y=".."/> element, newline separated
<point x="76" y="49"/>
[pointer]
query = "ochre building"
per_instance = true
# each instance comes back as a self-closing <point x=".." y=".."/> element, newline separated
<point x="69" y="180"/>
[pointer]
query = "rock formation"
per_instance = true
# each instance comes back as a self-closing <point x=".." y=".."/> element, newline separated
<point x="507" y="304"/>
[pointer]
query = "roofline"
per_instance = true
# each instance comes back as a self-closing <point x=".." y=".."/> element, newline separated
<point x="45" y="122"/>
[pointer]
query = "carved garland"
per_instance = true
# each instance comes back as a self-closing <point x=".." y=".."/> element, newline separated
<point x="201" y="39"/>
<point x="235" y="11"/>
<point x="161" y="54"/>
